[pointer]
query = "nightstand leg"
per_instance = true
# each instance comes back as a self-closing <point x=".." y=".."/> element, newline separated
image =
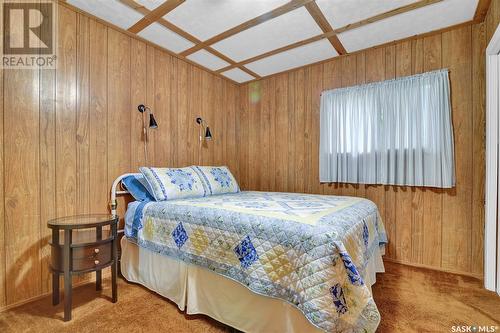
<point x="67" y="275"/>
<point x="113" y="282"/>
<point x="55" y="288"/>
<point x="115" y="264"/>
<point x="98" y="273"/>
<point x="55" y="276"/>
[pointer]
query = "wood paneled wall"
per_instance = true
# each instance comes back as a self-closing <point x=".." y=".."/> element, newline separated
<point x="278" y="126"/>
<point x="65" y="135"/>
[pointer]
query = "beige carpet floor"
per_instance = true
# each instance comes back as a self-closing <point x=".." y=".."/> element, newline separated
<point x="409" y="299"/>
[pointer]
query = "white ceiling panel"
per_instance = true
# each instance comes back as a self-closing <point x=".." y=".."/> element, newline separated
<point x="340" y="13"/>
<point x="300" y="56"/>
<point x="165" y="38"/>
<point x="208" y="60"/>
<point x="111" y="11"/>
<point x="425" y="19"/>
<point x="207" y="18"/>
<point x="238" y="75"/>
<point x="280" y="31"/>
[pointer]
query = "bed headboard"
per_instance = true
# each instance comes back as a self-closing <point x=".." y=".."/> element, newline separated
<point x="115" y="190"/>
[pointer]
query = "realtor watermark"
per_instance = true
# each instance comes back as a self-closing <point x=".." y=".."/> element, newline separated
<point x="475" y="329"/>
<point x="29" y="34"/>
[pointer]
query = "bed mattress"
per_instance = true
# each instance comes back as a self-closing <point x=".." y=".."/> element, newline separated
<point x="311" y="251"/>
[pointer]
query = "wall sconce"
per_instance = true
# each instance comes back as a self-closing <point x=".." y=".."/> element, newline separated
<point x="204" y="128"/>
<point x="144" y="110"/>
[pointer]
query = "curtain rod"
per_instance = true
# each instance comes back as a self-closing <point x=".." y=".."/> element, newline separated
<point x="402" y="78"/>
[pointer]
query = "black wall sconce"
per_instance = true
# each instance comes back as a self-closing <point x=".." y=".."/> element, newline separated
<point x="144" y="110"/>
<point x="204" y="128"/>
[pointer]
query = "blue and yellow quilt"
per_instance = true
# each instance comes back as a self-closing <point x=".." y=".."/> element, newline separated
<point x="308" y="250"/>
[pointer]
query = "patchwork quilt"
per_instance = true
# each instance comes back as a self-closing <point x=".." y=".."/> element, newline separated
<point x="308" y="250"/>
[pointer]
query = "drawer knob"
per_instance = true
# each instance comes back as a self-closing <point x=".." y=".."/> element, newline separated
<point x="96" y="250"/>
<point x="96" y="262"/>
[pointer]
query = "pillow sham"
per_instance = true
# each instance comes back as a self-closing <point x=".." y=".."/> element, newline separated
<point x="218" y="179"/>
<point x="138" y="187"/>
<point x="173" y="183"/>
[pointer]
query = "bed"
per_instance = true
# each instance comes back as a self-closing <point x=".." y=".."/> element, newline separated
<point x="261" y="261"/>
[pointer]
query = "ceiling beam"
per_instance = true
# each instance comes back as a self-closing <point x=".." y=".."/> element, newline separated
<point x="230" y="61"/>
<point x="400" y="10"/>
<point x="273" y="52"/>
<point x="317" y="15"/>
<point x="155" y="15"/>
<point x="144" y="11"/>
<point x="288" y="7"/>
<point x="379" y="17"/>
<point x="482" y="10"/>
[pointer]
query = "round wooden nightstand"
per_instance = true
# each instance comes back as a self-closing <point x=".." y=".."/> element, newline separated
<point x="71" y="258"/>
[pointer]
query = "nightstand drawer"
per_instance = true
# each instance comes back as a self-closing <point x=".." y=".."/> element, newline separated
<point x="90" y="263"/>
<point x="84" y="256"/>
<point x="92" y="250"/>
<point x="92" y="255"/>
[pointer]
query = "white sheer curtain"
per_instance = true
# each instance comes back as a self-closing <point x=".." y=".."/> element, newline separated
<point x="395" y="132"/>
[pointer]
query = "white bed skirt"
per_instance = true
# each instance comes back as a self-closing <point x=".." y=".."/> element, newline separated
<point x="198" y="290"/>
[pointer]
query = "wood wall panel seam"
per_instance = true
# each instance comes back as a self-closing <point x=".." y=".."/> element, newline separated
<point x="99" y="111"/>
<point x="432" y="198"/>
<point x="389" y="195"/>
<point x="479" y="145"/>
<point x="83" y="115"/>
<point x="47" y="131"/>
<point x="456" y="209"/>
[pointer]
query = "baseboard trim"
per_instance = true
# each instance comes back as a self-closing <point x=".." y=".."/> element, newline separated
<point x="439" y="269"/>
<point x="36" y="298"/>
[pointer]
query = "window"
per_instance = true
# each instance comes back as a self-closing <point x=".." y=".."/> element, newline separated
<point x="396" y="132"/>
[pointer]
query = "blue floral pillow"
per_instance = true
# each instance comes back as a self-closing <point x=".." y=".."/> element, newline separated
<point x="174" y="183"/>
<point x="218" y="180"/>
